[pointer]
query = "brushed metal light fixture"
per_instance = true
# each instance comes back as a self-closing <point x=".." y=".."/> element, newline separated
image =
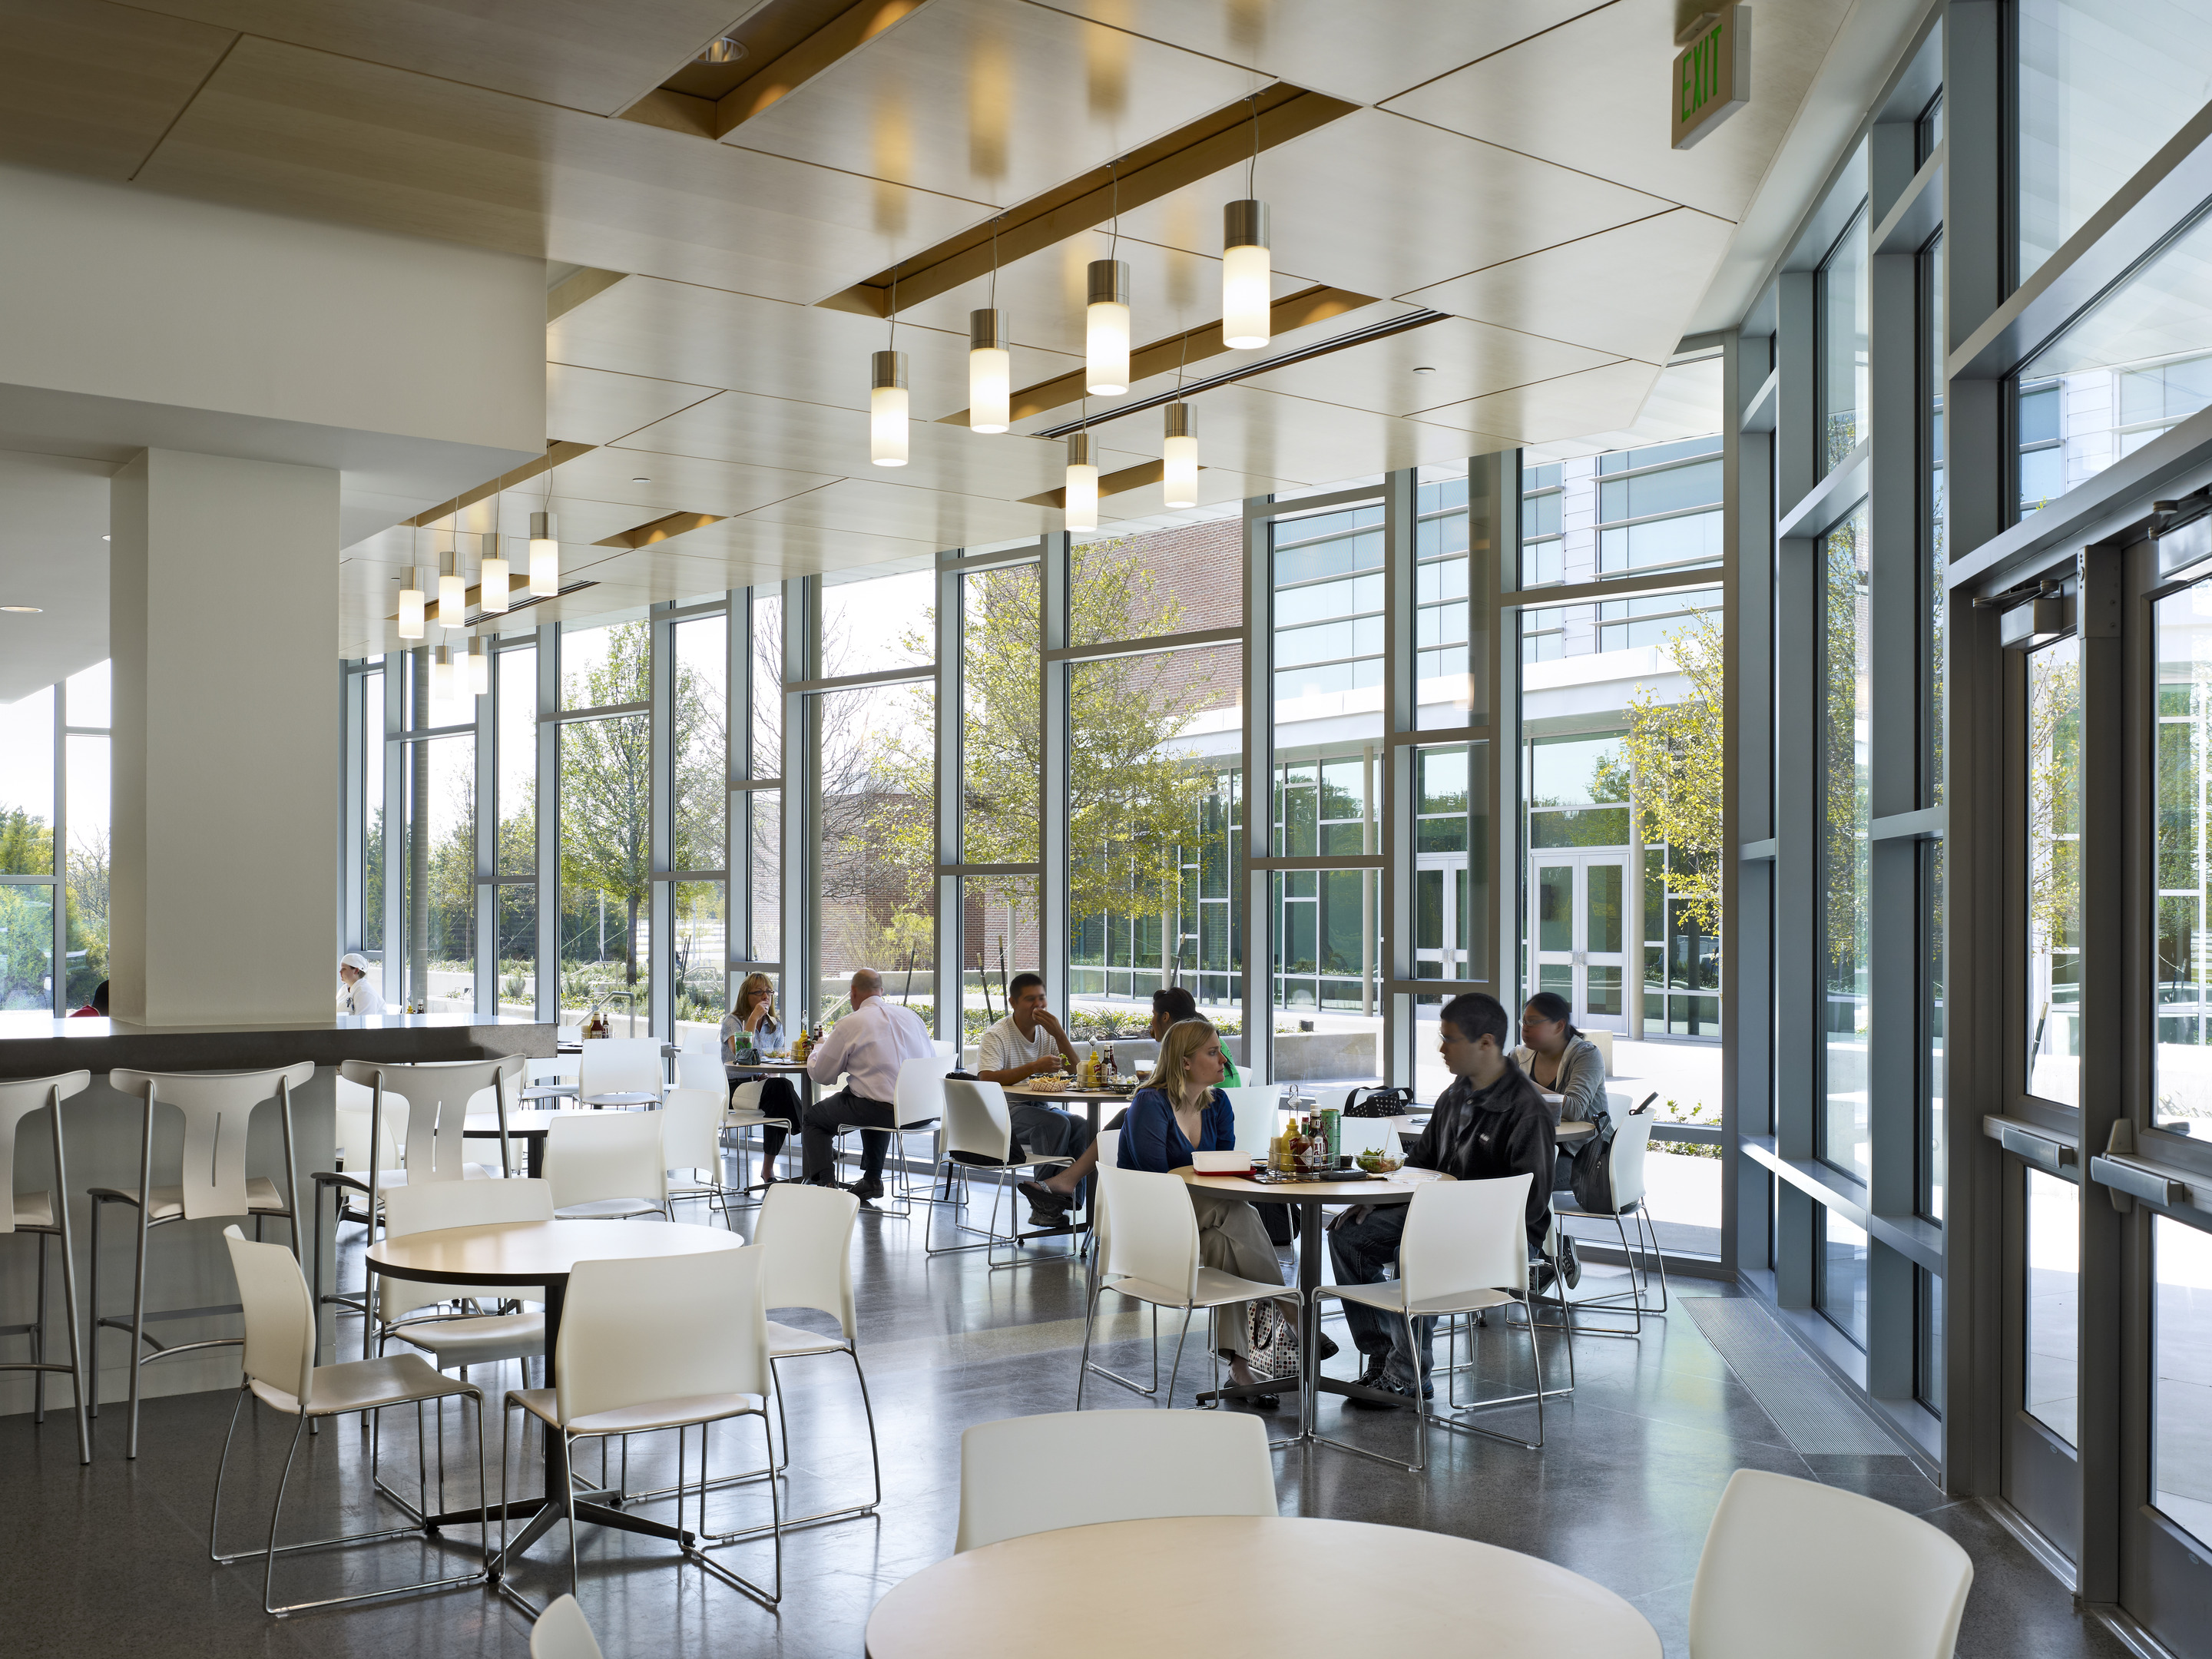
<point x="887" y="409"/>
<point x="1081" y="503"/>
<point x="491" y="583"/>
<point x="544" y="555"/>
<point x="1179" y="479"/>
<point x="1247" y="276"/>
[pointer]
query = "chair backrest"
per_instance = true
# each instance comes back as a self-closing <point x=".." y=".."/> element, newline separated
<point x="661" y="1328"/>
<point x="558" y="1068"/>
<point x="1155" y="1236"/>
<point x="949" y="1050"/>
<point x="280" y="1317"/>
<point x="807" y="1232"/>
<point x="1466" y="1235"/>
<point x="595" y="1155"/>
<point x="1109" y="1152"/>
<point x="1356" y="1135"/>
<point x="691" y="1128"/>
<point x="1255" y="1111"/>
<point x="217" y="1108"/>
<point x="1631" y="1140"/>
<point x="746" y="1096"/>
<point x="438" y="1094"/>
<point x="18" y="1100"/>
<point x="1778" y="1546"/>
<point x="431" y="1206"/>
<point x="563" y="1632"/>
<point x="621" y="1065"/>
<point x="976" y="1120"/>
<point x="695" y="1069"/>
<point x="357" y="1118"/>
<point x="917" y="1096"/>
<point x="1109" y="1466"/>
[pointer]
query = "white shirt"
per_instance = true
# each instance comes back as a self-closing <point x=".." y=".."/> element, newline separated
<point x="869" y="1045"/>
<point x="362" y="998"/>
<point x="1005" y="1048"/>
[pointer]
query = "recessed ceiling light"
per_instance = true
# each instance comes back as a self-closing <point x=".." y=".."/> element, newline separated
<point x="639" y="477"/>
<point x="1424" y="368"/>
<point x="23" y="610"/>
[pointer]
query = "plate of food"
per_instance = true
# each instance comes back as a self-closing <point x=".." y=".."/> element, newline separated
<point x="1046" y="1083"/>
<point x="1381" y="1162"/>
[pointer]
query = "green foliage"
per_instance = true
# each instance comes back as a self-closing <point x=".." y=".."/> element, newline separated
<point x="26" y="844"/>
<point x="1675" y="753"/>
<point x="27" y="947"/>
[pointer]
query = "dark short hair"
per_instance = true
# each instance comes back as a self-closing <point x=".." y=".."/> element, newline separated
<point x="1175" y="1003"/>
<point x="1476" y="1015"/>
<point x="1550" y="1004"/>
<point x="1021" y="982"/>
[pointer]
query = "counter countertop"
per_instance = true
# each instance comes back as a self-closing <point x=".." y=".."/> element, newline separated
<point x="38" y="1045"/>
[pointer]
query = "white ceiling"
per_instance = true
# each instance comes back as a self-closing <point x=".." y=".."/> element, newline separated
<point x="52" y="554"/>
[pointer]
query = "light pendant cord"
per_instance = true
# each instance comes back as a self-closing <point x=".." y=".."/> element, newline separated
<point x="994" y="263"/>
<point x="891" y="342"/>
<point x="1114" y="244"/>
<point x="1252" y="171"/>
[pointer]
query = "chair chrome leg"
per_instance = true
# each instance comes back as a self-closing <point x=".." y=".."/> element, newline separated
<point x="1168" y="1397"/>
<point x="275" y="1509"/>
<point x="215" y="1513"/>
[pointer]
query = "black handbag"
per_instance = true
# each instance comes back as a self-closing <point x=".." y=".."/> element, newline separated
<point x="1379" y="1102"/>
<point x="1592" y="1170"/>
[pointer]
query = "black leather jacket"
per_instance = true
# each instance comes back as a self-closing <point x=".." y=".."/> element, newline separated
<point x="1504" y="1130"/>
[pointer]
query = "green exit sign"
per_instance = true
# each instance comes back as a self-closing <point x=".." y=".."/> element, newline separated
<point x="1712" y="74"/>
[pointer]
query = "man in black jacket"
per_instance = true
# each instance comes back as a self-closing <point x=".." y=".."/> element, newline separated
<point x="1492" y="1122"/>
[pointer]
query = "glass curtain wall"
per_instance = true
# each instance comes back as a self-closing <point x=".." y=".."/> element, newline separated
<point x="54" y="845"/>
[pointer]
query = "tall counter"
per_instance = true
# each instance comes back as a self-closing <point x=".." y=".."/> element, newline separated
<point x="187" y="1266"/>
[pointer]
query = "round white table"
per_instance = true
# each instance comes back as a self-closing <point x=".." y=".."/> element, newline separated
<point x="1284" y="1586"/>
<point x="521" y="1255"/>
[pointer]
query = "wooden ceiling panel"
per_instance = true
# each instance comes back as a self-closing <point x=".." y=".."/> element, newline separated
<point x="1380" y="205"/>
<point x="596" y="406"/>
<point x="295" y="131"/>
<point x="1464" y="359"/>
<point x="599" y="58"/>
<point x="89" y="87"/>
<point x="995" y="100"/>
<point x="802" y="437"/>
<point x="1363" y="53"/>
<point x="1592" y="94"/>
<point x="1593" y="401"/>
<point x="941" y="519"/>
<point x="1627" y="292"/>
<point x="690" y="333"/>
<point x="582" y="522"/>
<point x="1044" y="295"/>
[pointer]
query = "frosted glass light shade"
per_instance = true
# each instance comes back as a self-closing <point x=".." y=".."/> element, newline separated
<point x="479" y="669"/>
<point x="491" y="586"/>
<point x="887" y="422"/>
<point x="1248" y="282"/>
<point x="990" y="389"/>
<point x="452" y="600"/>
<point x="1106" y="348"/>
<point x="410" y="609"/>
<point x="1181" y="479"/>
<point x="544" y="555"/>
<point x="442" y="671"/>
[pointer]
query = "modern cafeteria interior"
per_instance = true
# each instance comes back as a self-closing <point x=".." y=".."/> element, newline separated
<point x="981" y="827"/>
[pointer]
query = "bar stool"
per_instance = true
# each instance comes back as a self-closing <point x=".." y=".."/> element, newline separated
<point x="47" y="1214"/>
<point x="211" y="1184"/>
<point x="435" y="1095"/>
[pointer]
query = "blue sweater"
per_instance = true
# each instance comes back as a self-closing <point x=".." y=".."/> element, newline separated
<point x="1152" y="1139"/>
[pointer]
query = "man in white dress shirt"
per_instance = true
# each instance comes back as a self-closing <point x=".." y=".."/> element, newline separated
<point x="868" y="1046"/>
<point x="1027" y="1041"/>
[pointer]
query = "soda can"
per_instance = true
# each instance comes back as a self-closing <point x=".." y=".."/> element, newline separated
<point x="1331" y="1127"/>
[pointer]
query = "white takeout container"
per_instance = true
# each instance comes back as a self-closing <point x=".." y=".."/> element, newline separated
<point x="1221" y="1162"/>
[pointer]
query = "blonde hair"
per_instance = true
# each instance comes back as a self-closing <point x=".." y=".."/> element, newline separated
<point x="1183" y="1041"/>
<point x="752" y="982"/>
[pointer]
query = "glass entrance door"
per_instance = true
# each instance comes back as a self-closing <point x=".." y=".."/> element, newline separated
<point x="1578" y="933"/>
<point x="1440" y="917"/>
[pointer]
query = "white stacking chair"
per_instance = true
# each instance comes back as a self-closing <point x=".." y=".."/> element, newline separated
<point x="691" y="1121"/>
<point x="699" y="1068"/>
<point x="433" y="1098"/>
<point x="917" y="1103"/>
<point x="1150" y="1255"/>
<point x="1631" y="1143"/>
<point x="978" y="1137"/>
<point x="1777" y="1547"/>
<point x="620" y="1066"/>
<point x="1108" y="1466"/>
<point x="665" y="1342"/>
<point x="44" y="1214"/>
<point x="280" y="1372"/>
<point x="1254" y="1107"/>
<point x="807" y="1233"/>
<point x="608" y="1168"/>
<point x="1465" y="1249"/>
<point x="744" y="1113"/>
<point x="217" y="1108"/>
<point x="562" y="1631"/>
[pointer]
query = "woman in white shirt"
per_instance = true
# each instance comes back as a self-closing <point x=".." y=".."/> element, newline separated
<point x="359" y="997"/>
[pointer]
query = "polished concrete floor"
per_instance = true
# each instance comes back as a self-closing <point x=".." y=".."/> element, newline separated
<point x="112" y="1559"/>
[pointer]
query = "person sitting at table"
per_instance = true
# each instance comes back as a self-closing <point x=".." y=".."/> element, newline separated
<point x="1028" y="1042"/>
<point x="1183" y="1111"/>
<point x="1170" y="1007"/>
<point x="868" y="1046"/>
<point x="360" y="997"/>
<point x="96" y="1009"/>
<point x="752" y="1017"/>
<point x="1561" y="1060"/>
<point x="1491" y="1122"/>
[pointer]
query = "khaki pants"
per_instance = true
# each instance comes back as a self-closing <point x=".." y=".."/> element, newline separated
<point x="1231" y="1239"/>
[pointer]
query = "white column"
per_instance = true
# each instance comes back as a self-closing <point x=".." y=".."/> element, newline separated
<point x="224" y="605"/>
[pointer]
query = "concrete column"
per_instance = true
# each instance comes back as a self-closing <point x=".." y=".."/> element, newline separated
<point x="223" y="604"/>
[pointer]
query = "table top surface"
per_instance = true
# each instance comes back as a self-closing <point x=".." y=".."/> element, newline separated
<point x="537" y="1252"/>
<point x="1024" y="1091"/>
<point x="1386" y="1590"/>
<point x="1394" y="1188"/>
<point x="759" y="1065"/>
<point x="481" y="1124"/>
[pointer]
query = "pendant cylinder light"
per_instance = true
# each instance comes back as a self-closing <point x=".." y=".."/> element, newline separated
<point x="1180" y="478"/>
<point x="1248" y="276"/>
<point x="479" y="668"/>
<point x="491" y="586"/>
<point x="442" y="671"/>
<point x="887" y="408"/>
<point x="1081" y="506"/>
<point x="544" y="555"/>
<point x="1106" y="332"/>
<point x="990" y="372"/>
<point x="452" y="591"/>
<point x="410" y="604"/>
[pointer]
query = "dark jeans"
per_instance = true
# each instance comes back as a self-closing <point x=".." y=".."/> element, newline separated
<point x="779" y="1100"/>
<point x="1049" y="1132"/>
<point x="1360" y="1250"/>
<point x="845" y="1107"/>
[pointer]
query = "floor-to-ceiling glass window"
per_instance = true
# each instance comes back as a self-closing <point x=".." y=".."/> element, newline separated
<point x="1847" y="695"/>
<point x="87" y="771"/>
<point x="515" y="864"/>
<point x="27" y="851"/>
<point x="606" y="824"/>
<point x="438" y="839"/>
<point x="2053" y="863"/>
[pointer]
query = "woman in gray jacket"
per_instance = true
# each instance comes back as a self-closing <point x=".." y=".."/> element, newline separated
<point x="1561" y="1060"/>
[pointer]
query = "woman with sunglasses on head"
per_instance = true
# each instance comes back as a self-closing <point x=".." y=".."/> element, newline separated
<point x="751" y="1024"/>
